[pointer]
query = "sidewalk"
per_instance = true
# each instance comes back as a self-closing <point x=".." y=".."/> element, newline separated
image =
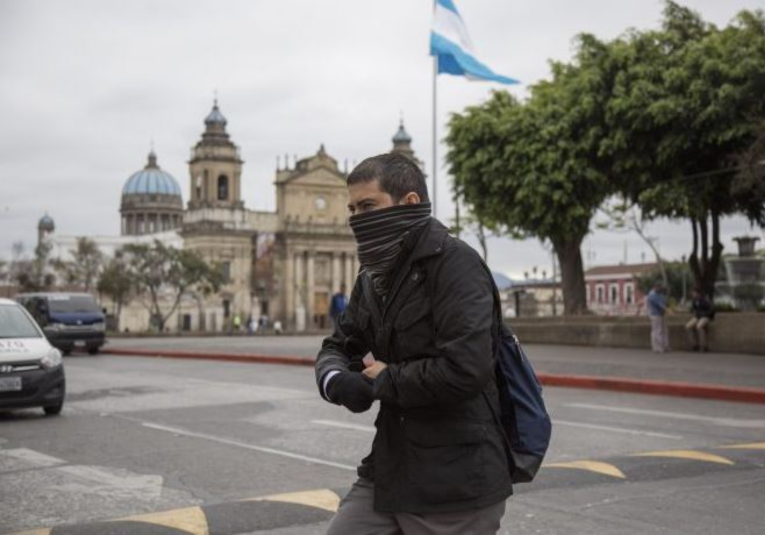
<point x="557" y="365"/>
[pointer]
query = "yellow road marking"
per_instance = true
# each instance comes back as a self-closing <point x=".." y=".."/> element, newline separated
<point x="43" y="531"/>
<point x="687" y="454"/>
<point x="191" y="519"/>
<point x="591" y="466"/>
<point x="320" y="499"/>
<point x="752" y="446"/>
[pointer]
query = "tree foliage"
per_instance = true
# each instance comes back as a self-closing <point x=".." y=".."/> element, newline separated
<point x="116" y="283"/>
<point x="686" y="109"/>
<point x="163" y="274"/>
<point x="532" y="169"/>
<point x="671" y="119"/>
<point x="84" y="267"/>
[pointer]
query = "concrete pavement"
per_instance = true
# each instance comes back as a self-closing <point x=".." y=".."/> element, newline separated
<point x="724" y="376"/>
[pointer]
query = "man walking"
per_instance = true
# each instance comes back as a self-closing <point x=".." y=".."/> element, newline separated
<point x="657" y="308"/>
<point x="423" y="306"/>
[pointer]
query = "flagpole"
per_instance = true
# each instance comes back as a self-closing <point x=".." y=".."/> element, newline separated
<point x="435" y="136"/>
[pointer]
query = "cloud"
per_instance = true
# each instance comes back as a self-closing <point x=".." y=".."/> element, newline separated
<point x="86" y="85"/>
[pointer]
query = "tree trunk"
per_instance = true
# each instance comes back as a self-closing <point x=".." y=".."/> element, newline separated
<point x="482" y="242"/>
<point x="714" y="262"/>
<point x="572" y="275"/>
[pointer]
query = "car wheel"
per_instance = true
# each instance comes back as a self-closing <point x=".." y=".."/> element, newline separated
<point x="53" y="410"/>
<point x="93" y="350"/>
<point x="66" y="352"/>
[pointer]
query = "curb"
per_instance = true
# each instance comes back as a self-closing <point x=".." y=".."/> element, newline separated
<point x="288" y="360"/>
<point x="589" y="382"/>
<point x="686" y="390"/>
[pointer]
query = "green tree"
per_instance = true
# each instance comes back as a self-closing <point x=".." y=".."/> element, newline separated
<point x="163" y="274"/>
<point x="532" y="169"/>
<point x="686" y="106"/>
<point x="33" y="275"/>
<point x="116" y="283"/>
<point x="86" y="263"/>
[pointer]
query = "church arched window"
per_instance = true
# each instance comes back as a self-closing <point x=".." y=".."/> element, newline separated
<point x="222" y="188"/>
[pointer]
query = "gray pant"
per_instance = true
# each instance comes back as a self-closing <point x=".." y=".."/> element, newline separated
<point x="356" y="516"/>
<point x="659" y="335"/>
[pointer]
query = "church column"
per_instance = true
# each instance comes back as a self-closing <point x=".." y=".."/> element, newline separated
<point x="288" y="313"/>
<point x="348" y="271"/>
<point x="299" y="292"/>
<point x="311" y="297"/>
<point x="337" y="277"/>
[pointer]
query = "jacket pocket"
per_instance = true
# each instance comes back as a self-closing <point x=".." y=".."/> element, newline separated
<point x="444" y="461"/>
<point x="414" y="335"/>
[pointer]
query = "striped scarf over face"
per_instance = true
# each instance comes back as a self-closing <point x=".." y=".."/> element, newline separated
<point x="380" y="235"/>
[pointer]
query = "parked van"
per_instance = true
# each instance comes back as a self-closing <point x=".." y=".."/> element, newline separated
<point x="69" y="320"/>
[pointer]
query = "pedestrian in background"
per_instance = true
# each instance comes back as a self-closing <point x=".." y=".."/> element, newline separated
<point x="423" y="306"/>
<point x="657" y="309"/>
<point x="338" y="305"/>
<point x="703" y="312"/>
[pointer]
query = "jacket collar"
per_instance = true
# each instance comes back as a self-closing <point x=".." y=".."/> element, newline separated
<point x="430" y="242"/>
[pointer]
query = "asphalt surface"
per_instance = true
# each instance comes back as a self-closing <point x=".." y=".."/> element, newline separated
<point x="192" y="443"/>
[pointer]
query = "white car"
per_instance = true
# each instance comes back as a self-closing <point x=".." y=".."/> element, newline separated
<point x="31" y="370"/>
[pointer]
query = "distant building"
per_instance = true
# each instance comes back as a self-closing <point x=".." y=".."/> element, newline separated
<point x="613" y="290"/>
<point x="285" y="265"/>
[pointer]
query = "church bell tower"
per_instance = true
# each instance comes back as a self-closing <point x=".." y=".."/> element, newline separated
<point x="215" y="167"/>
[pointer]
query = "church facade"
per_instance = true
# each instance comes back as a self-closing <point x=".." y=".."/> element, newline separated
<point x="283" y="265"/>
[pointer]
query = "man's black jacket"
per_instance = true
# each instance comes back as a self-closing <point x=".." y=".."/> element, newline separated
<point x="437" y="448"/>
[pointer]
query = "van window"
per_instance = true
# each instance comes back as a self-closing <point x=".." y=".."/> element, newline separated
<point x="15" y="324"/>
<point x="69" y="304"/>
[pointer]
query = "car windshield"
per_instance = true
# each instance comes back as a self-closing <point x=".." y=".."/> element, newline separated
<point x="15" y="324"/>
<point x="68" y="304"/>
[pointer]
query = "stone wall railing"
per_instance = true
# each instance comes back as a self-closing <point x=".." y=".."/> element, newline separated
<point x="728" y="333"/>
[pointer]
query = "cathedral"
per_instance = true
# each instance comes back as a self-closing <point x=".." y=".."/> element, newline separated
<point x="283" y="265"/>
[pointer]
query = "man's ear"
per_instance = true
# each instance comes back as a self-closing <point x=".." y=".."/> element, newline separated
<point x="410" y="198"/>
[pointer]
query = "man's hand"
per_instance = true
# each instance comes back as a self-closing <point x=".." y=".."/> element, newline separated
<point x="352" y="390"/>
<point x="373" y="367"/>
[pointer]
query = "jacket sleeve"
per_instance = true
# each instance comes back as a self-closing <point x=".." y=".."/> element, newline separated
<point x="346" y="346"/>
<point x="463" y="306"/>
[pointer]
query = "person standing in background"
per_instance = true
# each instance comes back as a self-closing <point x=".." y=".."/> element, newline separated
<point x="657" y="309"/>
<point x="339" y="302"/>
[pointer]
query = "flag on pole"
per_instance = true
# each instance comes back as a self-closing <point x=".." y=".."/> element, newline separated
<point x="451" y="44"/>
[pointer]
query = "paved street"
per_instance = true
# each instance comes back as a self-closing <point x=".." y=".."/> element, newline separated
<point x="145" y="435"/>
<point x="710" y="368"/>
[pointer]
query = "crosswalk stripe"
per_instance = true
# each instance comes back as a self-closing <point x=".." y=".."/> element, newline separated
<point x="190" y="519"/>
<point x="590" y="466"/>
<point x="320" y="499"/>
<point x="750" y="446"/>
<point x="687" y="454"/>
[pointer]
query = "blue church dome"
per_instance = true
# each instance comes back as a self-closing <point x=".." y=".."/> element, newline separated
<point x="151" y="180"/>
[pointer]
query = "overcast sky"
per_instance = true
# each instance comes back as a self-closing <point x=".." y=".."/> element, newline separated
<point x="85" y="86"/>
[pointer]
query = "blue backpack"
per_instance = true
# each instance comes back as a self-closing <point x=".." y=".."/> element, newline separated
<point x="523" y="418"/>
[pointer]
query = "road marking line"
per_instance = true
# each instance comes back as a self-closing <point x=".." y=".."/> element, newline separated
<point x="190" y="519"/>
<point x="752" y="446"/>
<point x="319" y="499"/>
<point x="590" y="466"/>
<point x="244" y="445"/>
<point x="729" y="422"/>
<point x="43" y="531"/>
<point x="617" y="429"/>
<point x="687" y="454"/>
<point x="32" y="456"/>
<point x="345" y="425"/>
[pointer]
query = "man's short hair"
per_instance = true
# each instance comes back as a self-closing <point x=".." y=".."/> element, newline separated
<point x="398" y="175"/>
